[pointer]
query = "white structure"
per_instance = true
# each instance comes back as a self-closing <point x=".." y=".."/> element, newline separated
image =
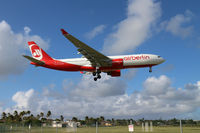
<point x="146" y="126"/>
<point x="68" y="124"/>
<point x="72" y="126"/>
<point x="58" y="124"/>
<point x="72" y="123"/>
<point x="131" y="128"/>
<point x="142" y="127"/>
<point x="151" y="126"/>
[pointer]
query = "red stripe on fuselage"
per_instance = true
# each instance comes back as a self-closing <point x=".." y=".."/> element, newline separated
<point x="63" y="66"/>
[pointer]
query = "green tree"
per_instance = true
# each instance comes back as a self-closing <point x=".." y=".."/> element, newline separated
<point x="74" y="119"/>
<point x="41" y="115"/>
<point x="21" y="115"/>
<point x="61" y="118"/>
<point x="16" y="116"/>
<point x="28" y="112"/>
<point x="173" y="122"/>
<point x="38" y="117"/>
<point x="10" y="118"/>
<point x="92" y="121"/>
<point x="15" y="113"/>
<point x="101" y="119"/>
<point x="4" y="116"/>
<point x="48" y="114"/>
<point x="86" y="120"/>
<point x="113" y="121"/>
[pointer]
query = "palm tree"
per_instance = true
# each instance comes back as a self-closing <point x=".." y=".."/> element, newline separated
<point x="87" y="120"/>
<point x="10" y="117"/>
<point x="21" y="114"/>
<point x="74" y="119"/>
<point x="91" y="120"/>
<point x="113" y="121"/>
<point x="102" y="118"/>
<point x="28" y="112"/>
<point x="9" y="114"/>
<point x="16" y="116"/>
<point x="61" y="118"/>
<point x="48" y="114"/>
<point x="4" y="116"/>
<point x="15" y="113"/>
<point x="38" y="116"/>
<point x="41" y="115"/>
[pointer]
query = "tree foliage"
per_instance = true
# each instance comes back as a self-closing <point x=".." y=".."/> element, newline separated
<point x="26" y="118"/>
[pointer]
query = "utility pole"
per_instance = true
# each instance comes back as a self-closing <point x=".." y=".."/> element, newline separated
<point x="96" y="127"/>
<point x="181" y="129"/>
<point x="56" y="127"/>
<point x="29" y="128"/>
<point x="41" y="128"/>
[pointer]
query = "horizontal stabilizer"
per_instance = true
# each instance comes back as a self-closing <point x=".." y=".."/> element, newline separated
<point x="34" y="60"/>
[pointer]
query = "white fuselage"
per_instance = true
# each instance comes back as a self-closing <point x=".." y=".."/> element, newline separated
<point x="128" y="60"/>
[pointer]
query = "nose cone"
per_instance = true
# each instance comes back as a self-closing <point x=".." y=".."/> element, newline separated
<point x="161" y="60"/>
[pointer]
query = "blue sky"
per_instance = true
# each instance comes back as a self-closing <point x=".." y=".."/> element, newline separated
<point x="168" y="28"/>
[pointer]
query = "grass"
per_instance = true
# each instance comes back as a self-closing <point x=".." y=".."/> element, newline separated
<point x="123" y="129"/>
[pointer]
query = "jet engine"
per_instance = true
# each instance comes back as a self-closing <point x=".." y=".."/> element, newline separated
<point x="115" y="73"/>
<point x="117" y="63"/>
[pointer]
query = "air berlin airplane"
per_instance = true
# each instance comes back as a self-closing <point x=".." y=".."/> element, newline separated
<point x="92" y="62"/>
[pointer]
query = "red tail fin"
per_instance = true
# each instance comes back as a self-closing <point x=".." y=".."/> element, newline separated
<point x="37" y="52"/>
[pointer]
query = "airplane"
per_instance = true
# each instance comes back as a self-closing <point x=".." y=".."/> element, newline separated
<point x="92" y="62"/>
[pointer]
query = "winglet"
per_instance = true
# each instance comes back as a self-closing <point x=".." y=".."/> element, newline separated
<point x="31" y="42"/>
<point x="64" y="32"/>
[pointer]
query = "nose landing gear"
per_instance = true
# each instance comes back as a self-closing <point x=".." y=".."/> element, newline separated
<point x="150" y="69"/>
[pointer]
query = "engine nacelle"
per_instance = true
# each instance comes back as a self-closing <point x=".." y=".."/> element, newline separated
<point x="115" y="73"/>
<point x="117" y="63"/>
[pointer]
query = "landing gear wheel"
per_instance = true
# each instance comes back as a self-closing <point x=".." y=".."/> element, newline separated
<point x="98" y="71"/>
<point x="94" y="73"/>
<point x="95" y="79"/>
<point x="99" y="76"/>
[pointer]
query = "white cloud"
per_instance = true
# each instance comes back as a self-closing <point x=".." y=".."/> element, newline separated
<point x="22" y="99"/>
<point x="157" y="99"/>
<point x="179" y="24"/>
<point x="142" y="15"/>
<point x="107" y="86"/>
<point x="96" y="31"/>
<point x="27" y="30"/>
<point x="12" y="46"/>
<point x="156" y="86"/>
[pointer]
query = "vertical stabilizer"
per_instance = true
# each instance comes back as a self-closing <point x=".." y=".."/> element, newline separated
<point x="37" y="52"/>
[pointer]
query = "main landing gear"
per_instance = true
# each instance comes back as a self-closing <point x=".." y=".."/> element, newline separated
<point x="97" y="74"/>
<point x="150" y="69"/>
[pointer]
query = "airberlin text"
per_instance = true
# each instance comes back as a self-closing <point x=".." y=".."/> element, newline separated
<point x="141" y="57"/>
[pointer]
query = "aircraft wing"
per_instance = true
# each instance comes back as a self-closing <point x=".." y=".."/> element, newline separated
<point x="96" y="58"/>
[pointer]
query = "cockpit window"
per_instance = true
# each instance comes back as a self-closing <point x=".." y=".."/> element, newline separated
<point x="159" y="56"/>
